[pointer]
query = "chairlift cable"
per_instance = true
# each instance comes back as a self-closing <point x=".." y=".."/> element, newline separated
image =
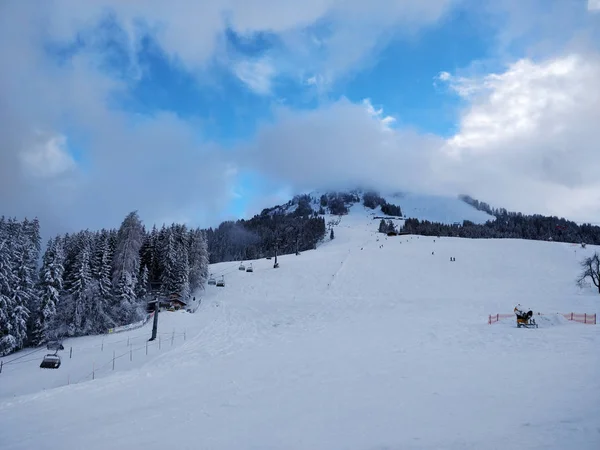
<point x="26" y="354"/>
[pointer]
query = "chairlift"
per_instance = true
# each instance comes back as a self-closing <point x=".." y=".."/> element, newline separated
<point x="50" y="361"/>
<point x="249" y="268"/>
<point x="221" y="282"/>
<point x="55" y="345"/>
<point x="242" y="267"/>
<point x="212" y="281"/>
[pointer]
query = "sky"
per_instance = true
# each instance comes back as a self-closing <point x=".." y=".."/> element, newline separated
<point x="199" y="112"/>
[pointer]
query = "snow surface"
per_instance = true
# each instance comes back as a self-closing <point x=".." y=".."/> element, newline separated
<point x="434" y="208"/>
<point x="441" y="209"/>
<point x="365" y="343"/>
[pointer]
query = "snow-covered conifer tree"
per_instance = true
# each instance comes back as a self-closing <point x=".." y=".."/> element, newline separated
<point x="50" y="286"/>
<point x="8" y="342"/>
<point x="79" y="286"/>
<point x="198" y="259"/>
<point x="126" y="265"/>
<point x="142" y="283"/>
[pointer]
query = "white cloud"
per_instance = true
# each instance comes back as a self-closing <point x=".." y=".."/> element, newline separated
<point x="49" y="158"/>
<point x="444" y="76"/>
<point x="593" y="5"/>
<point x="192" y="32"/>
<point x="527" y="141"/>
<point x="529" y="137"/>
<point x="342" y="144"/>
<point x="528" y="129"/>
<point x="257" y="74"/>
<point x="157" y="165"/>
<point x="386" y="121"/>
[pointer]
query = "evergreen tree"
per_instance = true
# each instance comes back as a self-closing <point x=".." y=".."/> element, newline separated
<point x="50" y="286"/>
<point x="126" y="264"/>
<point x="80" y="292"/>
<point x="141" y="290"/>
<point x="102" y="265"/>
<point x="168" y="258"/>
<point x="23" y="291"/>
<point x="198" y="260"/>
<point x="8" y="281"/>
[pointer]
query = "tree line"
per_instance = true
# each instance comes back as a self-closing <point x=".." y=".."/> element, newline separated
<point x="90" y="281"/>
<point x="264" y="235"/>
<point x="511" y="225"/>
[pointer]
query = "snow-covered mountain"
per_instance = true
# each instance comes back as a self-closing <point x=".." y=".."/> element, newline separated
<point x="441" y="209"/>
<point x="368" y="342"/>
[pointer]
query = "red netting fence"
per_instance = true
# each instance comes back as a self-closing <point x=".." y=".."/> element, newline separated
<point x="575" y="317"/>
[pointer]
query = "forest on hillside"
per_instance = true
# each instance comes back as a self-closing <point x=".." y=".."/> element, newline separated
<point x="513" y="225"/>
<point x="90" y="281"/>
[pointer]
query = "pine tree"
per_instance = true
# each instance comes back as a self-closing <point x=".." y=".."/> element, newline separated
<point x="147" y="252"/>
<point x="142" y="283"/>
<point x="102" y="267"/>
<point x="80" y="289"/>
<point x="168" y="257"/>
<point x="182" y="267"/>
<point x="8" y="342"/>
<point x="31" y="245"/>
<point x="50" y="286"/>
<point x="198" y="260"/>
<point x="23" y="290"/>
<point x="126" y="266"/>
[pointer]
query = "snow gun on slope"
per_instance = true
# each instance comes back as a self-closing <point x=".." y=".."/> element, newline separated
<point x="524" y="319"/>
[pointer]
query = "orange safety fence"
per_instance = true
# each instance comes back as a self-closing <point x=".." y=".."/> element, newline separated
<point x="575" y="317"/>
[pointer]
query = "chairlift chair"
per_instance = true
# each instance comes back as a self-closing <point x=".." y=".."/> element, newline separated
<point x="50" y="361"/>
<point x="242" y="267"/>
<point x="221" y="282"/>
<point x="212" y="281"/>
<point x="249" y="268"/>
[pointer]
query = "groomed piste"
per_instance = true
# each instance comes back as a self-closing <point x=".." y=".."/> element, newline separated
<point x="368" y="342"/>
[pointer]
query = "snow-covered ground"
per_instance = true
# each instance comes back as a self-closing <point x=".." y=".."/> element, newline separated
<point x="366" y="343"/>
<point x="437" y="208"/>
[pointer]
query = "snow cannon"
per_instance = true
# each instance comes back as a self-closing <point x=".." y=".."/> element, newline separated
<point x="524" y="317"/>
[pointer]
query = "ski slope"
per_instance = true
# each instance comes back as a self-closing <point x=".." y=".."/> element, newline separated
<point x="434" y="208"/>
<point x="366" y="343"/>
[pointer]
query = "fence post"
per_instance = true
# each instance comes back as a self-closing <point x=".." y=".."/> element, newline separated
<point x="102" y="349"/>
<point x="1" y="364"/>
<point x="71" y="353"/>
<point x="172" y="338"/>
<point x="93" y="371"/>
<point x="146" y="347"/>
<point x="490" y="319"/>
<point x="113" y="360"/>
<point x="571" y="316"/>
<point x="497" y="317"/>
<point x="584" y="317"/>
